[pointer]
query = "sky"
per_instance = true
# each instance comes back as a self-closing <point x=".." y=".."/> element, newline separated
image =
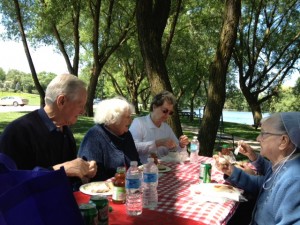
<point x="12" y="56"/>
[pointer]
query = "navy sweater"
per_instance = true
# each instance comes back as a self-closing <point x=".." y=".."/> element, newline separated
<point x="108" y="150"/>
<point x="30" y="142"/>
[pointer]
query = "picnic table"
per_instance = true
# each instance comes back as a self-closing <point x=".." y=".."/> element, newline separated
<point x="176" y="205"/>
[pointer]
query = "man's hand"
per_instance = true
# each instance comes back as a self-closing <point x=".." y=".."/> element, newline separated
<point x="77" y="168"/>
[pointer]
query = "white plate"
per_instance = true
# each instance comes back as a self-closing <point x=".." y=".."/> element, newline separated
<point x="167" y="169"/>
<point x="91" y="187"/>
<point x="215" y="192"/>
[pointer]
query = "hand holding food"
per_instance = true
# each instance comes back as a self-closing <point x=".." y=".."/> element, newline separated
<point x="166" y="142"/>
<point x="247" y="150"/>
<point x="223" y="164"/>
<point x="183" y="141"/>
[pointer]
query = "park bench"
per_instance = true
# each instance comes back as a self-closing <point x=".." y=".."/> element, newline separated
<point x="187" y="114"/>
<point x="221" y="136"/>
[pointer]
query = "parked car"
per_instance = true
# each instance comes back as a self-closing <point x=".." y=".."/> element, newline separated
<point x="96" y="101"/>
<point x="13" y="101"/>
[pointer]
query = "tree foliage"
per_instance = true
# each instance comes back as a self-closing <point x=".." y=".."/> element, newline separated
<point x="267" y="49"/>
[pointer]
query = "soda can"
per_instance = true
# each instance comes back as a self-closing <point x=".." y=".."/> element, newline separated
<point x="205" y="172"/>
<point x="102" y="206"/>
<point x="89" y="213"/>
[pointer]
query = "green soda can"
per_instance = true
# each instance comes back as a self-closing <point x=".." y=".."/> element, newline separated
<point x="205" y="172"/>
<point x="102" y="206"/>
<point x="89" y="213"/>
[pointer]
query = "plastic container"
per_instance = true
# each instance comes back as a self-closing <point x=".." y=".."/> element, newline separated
<point x="194" y="150"/>
<point x="119" y="193"/>
<point x="150" y="182"/>
<point x="133" y="185"/>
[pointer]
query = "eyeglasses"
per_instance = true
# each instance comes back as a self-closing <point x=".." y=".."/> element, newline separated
<point x="166" y="111"/>
<point x="262" y="134"/>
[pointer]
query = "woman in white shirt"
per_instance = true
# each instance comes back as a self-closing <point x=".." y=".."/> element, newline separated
<point x="152" y="134"/>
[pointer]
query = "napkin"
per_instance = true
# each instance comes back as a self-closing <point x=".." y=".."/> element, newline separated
<point x="214" y="192"/>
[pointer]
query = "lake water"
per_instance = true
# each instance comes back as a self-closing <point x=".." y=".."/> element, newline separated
<point x="235" y="116"/>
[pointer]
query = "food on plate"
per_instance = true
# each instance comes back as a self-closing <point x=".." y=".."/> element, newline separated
<point x="227" y="188"/>
<point x="220" y="187"/>
<point x="100" y="188"/>
<point x="161" y="167"/>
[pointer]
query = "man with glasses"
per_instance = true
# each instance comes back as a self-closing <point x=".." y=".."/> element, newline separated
<point x="152" y="134"/>
<point x="278" y="188"/>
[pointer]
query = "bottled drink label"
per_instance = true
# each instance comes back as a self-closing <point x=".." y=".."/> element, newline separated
<point x="194" y="147"/>
<point x="119" y="193"/>
<point x="150" y="177"/>
<point x="133" y="183"/>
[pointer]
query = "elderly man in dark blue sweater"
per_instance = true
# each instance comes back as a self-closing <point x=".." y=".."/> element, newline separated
<point x="43" y="137"/>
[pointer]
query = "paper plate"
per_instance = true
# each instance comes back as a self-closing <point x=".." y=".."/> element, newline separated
<point x="94" y="188"/>
<point x="166" y="169"/>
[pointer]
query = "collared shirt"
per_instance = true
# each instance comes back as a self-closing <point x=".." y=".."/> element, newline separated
<point x="145" y="133"/>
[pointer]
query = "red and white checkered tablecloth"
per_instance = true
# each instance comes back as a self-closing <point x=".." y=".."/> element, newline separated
<point x="174" y="194"/>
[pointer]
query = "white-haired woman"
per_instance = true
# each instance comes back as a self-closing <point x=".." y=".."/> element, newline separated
<point x="278" y="187"/>
<point x="109" y="141"/>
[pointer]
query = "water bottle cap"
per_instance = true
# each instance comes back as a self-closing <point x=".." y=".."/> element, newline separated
<point x="150" y="160"/>
<point x="133" y="163"/>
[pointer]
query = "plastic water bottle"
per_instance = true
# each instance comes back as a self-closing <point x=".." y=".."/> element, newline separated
<point x="150" y="182"/>
<point x="194" y="150"/>
<point x="133" y="184"/>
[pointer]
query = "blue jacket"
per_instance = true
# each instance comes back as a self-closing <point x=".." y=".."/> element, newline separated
<point x="108" y="150"/>
<point x="278" y="199"/>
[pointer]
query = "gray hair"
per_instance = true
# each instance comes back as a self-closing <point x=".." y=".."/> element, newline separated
<point x="287" y="122"/>
<point x="110" y="111"/>
<point x="160" y="98"/>
<point x="64" y="84"/>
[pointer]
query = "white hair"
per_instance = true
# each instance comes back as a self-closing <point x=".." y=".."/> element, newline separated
<point x="110" y="111"/>
<point x="66" y="84"/>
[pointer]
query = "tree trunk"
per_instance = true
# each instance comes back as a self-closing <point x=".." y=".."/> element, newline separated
<point x="151" y="19"/>
<point x="217" y="79"/>
<point x="28" y="55"/>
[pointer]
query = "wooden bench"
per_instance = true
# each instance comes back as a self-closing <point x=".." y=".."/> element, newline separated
<point x="221" y="135"/>
<point x="229" y="137"/>
<point x="187" y="114"/>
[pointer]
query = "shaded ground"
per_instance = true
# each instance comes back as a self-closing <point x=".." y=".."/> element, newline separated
<point x="255" y="144"/>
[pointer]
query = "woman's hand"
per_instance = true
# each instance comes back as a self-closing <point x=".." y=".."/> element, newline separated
<point x="183" y="141"/>
<point x="166" y="142"/>
<point x="247" y="150"/>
